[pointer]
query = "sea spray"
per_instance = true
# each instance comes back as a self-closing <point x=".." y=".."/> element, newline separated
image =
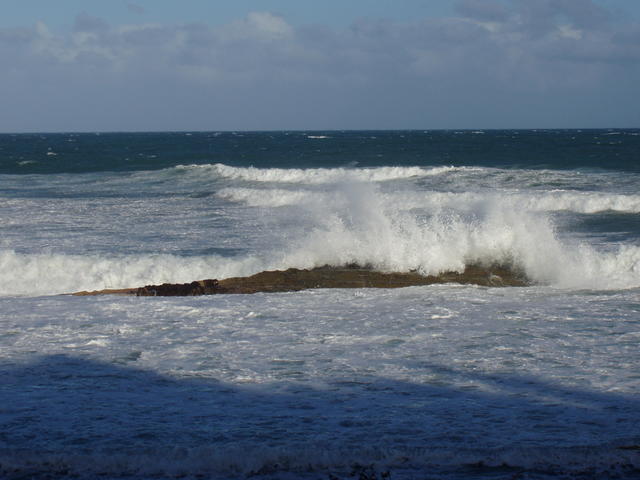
<point x="359" y="222"/>
<point x="360" y="226"/>
<point x="354" y="222"/>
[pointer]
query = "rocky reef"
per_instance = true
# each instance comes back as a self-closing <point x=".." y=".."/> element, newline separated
<point x="294" y="279"/>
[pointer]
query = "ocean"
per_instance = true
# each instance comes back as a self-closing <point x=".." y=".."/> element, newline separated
<point x="430" y="382"/>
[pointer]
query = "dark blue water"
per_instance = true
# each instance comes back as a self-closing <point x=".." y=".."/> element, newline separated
<point x="617" y="150"/>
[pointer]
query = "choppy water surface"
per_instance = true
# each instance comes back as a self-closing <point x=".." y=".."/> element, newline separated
<point x="424" y="382"/>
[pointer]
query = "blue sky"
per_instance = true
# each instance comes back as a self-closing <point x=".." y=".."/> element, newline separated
<point x="216" y="12"/>
<point x="336" y="13"/>
<point x="88" y="65"/>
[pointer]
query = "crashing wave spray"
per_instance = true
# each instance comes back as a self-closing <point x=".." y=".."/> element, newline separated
<point x="389" y="226"/>
<point x="363" y="226"/>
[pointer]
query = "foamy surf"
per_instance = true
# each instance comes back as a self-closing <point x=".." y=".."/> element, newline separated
<point x="363" y="228"/>
<point x="316" y="175"/>
<point x="543" y="201"/>
<point x="343" y="216"/>
<point x="270" y="197"/>
<point x="48" y="274"/>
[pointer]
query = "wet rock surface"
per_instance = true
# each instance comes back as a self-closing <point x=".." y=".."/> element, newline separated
<point x="294" y="279"/>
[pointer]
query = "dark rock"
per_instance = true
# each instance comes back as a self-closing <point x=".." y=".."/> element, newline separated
<point x="351" y="276"/>
<point x="203" y="287"/>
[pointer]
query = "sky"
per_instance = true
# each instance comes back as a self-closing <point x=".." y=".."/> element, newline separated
<point x="169" y="65"/>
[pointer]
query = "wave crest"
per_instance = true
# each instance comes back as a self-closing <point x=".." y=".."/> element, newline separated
<point x="551" y="201"/>
<point x="360" y="225"/>
<point x="317" y="175"/>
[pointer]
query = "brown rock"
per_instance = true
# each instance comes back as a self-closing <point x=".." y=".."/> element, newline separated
<point x="351" y="276"/>
<point x="294" y="279"/>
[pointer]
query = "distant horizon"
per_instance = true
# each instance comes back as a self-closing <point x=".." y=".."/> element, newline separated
<point x="306" y="130"/>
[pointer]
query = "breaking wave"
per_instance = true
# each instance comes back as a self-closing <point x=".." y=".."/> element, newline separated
<point x="367" y="229"/>
<point x="46" y="274"/>
<point x="359" y="226"/>
<point x="552" y="201"/>
<point x="317" y="175"/>
<point x="269" y="197"/>
<point x="351" y="215"/>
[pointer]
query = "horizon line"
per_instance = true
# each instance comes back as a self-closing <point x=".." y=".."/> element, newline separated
<point x="335" y="130"/>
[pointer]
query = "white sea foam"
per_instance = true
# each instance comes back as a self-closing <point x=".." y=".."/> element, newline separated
<point x="43" y="274"/>
<point x="353" y="223"/>
<point x="549" y="201"/>
<point x="543" y="201"/>
<point x="367" y="230"/>
<point x="414" y="381"/>
<point x="345" y="215"/>
<point x="269" y="197"/>
<point x="581" y="202"/>
<point x="317" y="175"/>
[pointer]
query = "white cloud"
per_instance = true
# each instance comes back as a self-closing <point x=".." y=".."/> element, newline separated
<point x="269" y="24"/>
<point x="429" y="68"/>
